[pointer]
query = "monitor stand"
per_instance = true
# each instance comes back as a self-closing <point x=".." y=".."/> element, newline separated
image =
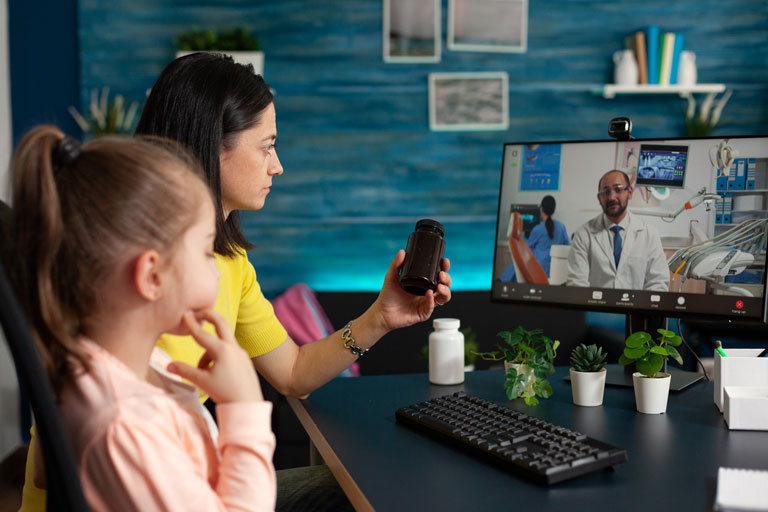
<point x="650" y="323"/>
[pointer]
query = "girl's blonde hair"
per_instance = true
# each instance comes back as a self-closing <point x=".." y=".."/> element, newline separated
<point x="81" y="212"/>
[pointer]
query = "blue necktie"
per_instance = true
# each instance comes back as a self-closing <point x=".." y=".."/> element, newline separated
<point x="616" y="244"/>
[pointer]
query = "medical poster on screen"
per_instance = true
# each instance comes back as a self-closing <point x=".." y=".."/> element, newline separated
<point x="540" y="169"/>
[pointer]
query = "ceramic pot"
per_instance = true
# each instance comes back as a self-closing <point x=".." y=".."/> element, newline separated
<point x="651" y="394"/>
<point x="625" y="68"/>
<point x="588" y="387"/>
<point x="686" y="69"/>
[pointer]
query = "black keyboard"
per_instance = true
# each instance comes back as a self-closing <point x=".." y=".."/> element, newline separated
<point x="533" y="448"/>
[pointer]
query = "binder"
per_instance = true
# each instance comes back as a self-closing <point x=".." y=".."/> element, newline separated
<point x="666" y="52"/>
<point x="653" y="54"/>
<point x="727" y="207"/>
<point x="679" y="40"/>
<point x="719" y="210"/>
<point x="751" y="166"/>
<point x="722" y="181"/>
<point x="737" y="177"/>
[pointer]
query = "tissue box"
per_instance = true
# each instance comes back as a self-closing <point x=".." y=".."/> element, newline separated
<point x="746" y="407"/>
<point x="742" y="367"/>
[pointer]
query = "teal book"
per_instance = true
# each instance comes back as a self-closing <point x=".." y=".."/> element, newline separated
<point x="653" y="54"/>
<point x="679" y="40"/>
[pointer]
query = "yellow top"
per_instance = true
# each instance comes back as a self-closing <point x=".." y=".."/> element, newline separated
<point x="241" y="302"/>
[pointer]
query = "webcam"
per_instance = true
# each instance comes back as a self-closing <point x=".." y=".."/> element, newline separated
<point x="619" y="128"/>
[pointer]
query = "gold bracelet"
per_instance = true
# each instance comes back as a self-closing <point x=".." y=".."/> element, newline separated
<point x="349" y="341"/>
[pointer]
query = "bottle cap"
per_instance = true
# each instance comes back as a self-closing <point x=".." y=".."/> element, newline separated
<point x="446" y="323"/>
<point x="432" y="225"/>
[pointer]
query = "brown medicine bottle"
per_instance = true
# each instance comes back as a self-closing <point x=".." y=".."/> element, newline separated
<point x="423" y="255"/>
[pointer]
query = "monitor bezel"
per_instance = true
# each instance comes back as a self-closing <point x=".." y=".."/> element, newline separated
<point x="751" y="320"/>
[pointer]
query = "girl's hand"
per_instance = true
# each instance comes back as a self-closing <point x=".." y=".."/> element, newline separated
<point x="225" y="371"/>
<point x="398" y="308"/>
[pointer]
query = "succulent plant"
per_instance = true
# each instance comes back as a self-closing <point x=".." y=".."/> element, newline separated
<point x="588" y="358"/>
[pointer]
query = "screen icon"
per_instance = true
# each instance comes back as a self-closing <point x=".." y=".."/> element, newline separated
<point x="739" y="304"/>
<point x="625" y="297"/>
<point x="681" y="300"/>
<point x="655" y="298"/>
<point x="597" y="295"/>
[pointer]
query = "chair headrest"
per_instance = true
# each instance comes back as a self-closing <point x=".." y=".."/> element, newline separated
<point x="517" y="225"/>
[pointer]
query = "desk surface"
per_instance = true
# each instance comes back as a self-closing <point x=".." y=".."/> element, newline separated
<point x="381" y="465"/>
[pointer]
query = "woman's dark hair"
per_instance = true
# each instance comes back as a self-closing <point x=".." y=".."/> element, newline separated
<point x="548" y="205"/>
<point x="79" y="214"/>
<point x="204" y="101"/>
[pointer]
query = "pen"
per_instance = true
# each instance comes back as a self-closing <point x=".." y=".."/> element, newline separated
<point x="719" y="348"/>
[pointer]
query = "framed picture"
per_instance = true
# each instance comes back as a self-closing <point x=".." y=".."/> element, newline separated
<point x="411" y="30"/>
<point x="488" y="25"/>
<point x="468" y="101"/>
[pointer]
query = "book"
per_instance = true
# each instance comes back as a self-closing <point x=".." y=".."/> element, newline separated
<point x="679" y="40"/>
<point x="652" y="47"/>
<point x="640" y="57"/>
<point x="741" y="490"/>
<point x="666" y="46"/>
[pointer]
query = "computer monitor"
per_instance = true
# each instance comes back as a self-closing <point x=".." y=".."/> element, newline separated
<point x="530" y="215"/>
<point x="662" y="165"/>
<point x="695" y="250"/>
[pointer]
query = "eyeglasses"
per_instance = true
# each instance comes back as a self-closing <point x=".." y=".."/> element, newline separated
<point x="618" y="189"/>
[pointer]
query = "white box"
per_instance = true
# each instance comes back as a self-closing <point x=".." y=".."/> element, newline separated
<point x="746" y="407"/>
<point x="742" y="367"/>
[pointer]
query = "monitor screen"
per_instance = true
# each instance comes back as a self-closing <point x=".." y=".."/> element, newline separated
<point x="673" y="227"/>
<point x="662" y="165"/>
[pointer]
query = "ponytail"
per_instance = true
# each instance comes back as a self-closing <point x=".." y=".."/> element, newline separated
<point x="548" y="205"/>
<point x="79" y="215"/>
<point x="37" y="231"/>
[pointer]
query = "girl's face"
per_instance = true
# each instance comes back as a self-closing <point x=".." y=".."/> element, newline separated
<point x="247" y="169"/>
<point x="195" y="277"/>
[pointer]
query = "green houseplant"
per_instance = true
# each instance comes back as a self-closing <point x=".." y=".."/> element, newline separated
<point x="588" y="375"/>
<point x="234" y="39"/>
<point x="649" y="355"/>
<point x="239" y="43"/>
<point x="106" y="116"/>
<point x="528" y="357"/>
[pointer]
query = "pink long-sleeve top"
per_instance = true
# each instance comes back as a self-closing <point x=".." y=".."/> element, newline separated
<point x="145" y="448"/>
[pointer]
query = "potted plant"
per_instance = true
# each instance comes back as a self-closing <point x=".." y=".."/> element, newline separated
<point x="105" y="116"/>
<point x="649" y="356"/>
<point x="528" y="358"/>
<point x="588" y="375"/>
<point x="239" y="43"/>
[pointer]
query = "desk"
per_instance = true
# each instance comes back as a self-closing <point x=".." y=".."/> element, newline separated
<point x="381" y="465"/>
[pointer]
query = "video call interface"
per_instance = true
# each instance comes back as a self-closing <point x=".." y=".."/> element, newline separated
<point x="682" y="229"/>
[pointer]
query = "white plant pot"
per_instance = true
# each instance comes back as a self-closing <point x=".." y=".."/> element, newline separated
<point x="651" y="394"/>
<point x="469" y="368"/>
<point x="525" y="370"/>
<point x="254" y="58"/>
<point x="588" y="387"/>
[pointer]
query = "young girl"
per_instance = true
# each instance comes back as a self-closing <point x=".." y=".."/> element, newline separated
<point x="115" y="247"/>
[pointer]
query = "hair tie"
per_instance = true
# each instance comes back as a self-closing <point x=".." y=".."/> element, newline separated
<point x="65" y="152"/>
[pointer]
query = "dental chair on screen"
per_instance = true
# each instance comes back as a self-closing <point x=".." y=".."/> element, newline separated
<point x="527" y="268"/>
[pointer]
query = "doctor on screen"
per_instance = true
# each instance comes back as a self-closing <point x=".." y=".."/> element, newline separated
<point x="617" y="249"/>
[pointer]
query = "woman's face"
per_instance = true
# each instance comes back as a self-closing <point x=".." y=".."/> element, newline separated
<point x="247" y="169"/>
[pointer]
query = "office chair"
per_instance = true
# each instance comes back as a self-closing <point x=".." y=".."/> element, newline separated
<point x="61" y="473"/>
<point x="527" y="268"/>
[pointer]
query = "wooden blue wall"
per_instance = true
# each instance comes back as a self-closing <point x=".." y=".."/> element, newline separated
<point x="361" y="165"/>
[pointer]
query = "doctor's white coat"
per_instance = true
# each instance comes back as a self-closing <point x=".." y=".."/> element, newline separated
<point x="642" y="265"/>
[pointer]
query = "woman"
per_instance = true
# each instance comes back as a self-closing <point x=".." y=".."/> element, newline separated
<point x="547" y="233"/>
<point x="225" y="115"/>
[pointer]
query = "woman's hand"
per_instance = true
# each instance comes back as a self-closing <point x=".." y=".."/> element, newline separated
<point x="225" y="371"/>
<point x="398" y="308"/>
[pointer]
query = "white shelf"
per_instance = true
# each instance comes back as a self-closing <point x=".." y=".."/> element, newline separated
<point x="611" y="90"/>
